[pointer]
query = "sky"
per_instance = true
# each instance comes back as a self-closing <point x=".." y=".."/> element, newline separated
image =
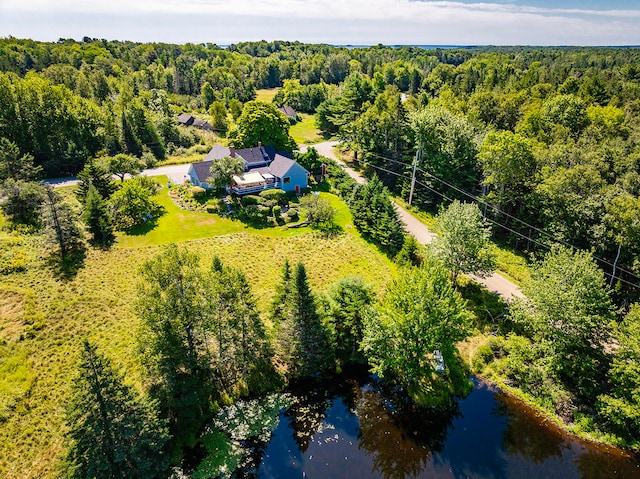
<point x="338" y="22"/>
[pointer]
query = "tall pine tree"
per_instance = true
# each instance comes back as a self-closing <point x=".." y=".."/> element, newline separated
<point x="113" y="434"/>
<point x="98" y="219"/>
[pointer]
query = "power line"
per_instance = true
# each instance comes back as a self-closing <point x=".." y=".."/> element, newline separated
<point x="528" y="238"/>
<point x="499" y="211"/>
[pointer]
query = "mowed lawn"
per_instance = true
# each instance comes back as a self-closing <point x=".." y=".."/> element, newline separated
<point x="44" y="317"/>
<point x="178" y="224"/>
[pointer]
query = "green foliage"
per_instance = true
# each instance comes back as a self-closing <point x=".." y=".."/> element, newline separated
<point x="410" y="254"/>
<point x="319" y="212"/>
<point x="122" y="165"/>
<point x="172" y="339"/>
<point x="218" y="113"/>
<point x="347" y="303"/>
<point x="620" y="408"/>
<point x="509" y="168"/>
<point x="419" y="313"/>
<point x="463" y="243"/>
<point x="197" y="192"/>
<point x="133" y="204"/>
<point x="448" y="143"/>
<point x="97" y="174"/>
<point x="375" y="217"/>
<point x="262" y="122"/>
<point x="568" y="314"/>
<point x="112" y="433"/>
<point x="22" y="202"/>
<point x="16" y="166"/>
<point x="223" y="170"/>
<point x="60" y="219"/>
<point x="302" y="347"/>
<point x="275" y="195"/>
<point x="240" y="345"/>
<point x="249" y="200"/>
<point x="97" y="217"/>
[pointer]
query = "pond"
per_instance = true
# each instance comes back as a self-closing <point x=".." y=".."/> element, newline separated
<point x="360" y="427"/>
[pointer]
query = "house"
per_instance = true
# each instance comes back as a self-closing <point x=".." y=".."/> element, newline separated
<point x="202" y="124"/>
<point x="264" y="169"/>
<point x="186" y="119"/>
<point x="189" y="120"/>
<point x="289" y="112"/>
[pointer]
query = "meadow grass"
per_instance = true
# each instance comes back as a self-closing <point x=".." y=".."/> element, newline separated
<point x="44" y="317"/>
<point x="266" y="94"/>
<point x="305" y="131"/>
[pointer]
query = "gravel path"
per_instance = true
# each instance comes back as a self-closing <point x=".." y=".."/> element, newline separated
<point x="494" y="283"/>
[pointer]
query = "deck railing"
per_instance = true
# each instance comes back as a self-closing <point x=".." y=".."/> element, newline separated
<point x="254" y="189"/>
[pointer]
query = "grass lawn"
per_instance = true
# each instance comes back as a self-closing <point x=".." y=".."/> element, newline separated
<point x="181" y="225"/>
<point x="266" y="94"/>
<point x="305" y="131"/>
<point x="44" y="317"/>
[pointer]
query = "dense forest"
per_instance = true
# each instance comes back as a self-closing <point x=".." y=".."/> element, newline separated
<point x="537" y="148"/>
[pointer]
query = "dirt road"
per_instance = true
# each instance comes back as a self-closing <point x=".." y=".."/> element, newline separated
<point x="494" y="283"/>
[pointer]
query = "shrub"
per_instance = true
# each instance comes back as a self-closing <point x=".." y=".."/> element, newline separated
<point x="482" y="357"/>
<point x="250" y="200"/>
<point x="197" y="191"/>
<point x="293" y="215"/>
<point x="276" y="211"/>
<point x="279" y="196"/>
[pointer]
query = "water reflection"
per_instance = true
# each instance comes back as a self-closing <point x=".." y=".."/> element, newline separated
<point x="363" y="428"/>
<point x="522" y="435"/>
<point x="398" y="436"/>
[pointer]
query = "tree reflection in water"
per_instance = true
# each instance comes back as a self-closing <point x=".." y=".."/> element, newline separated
<point x="528" y="433"/>
<point x="399" y="436"/>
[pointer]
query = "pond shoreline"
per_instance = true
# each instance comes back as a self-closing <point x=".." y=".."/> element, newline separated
<point x="554" y="420"/>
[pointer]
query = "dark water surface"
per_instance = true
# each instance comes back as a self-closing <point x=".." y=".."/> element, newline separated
<point x="363" y="429"/>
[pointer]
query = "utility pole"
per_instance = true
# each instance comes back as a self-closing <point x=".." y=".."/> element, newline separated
<point x="413" y="176"/>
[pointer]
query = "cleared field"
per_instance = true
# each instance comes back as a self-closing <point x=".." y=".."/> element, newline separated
<point x="305" y="131"/>
<point x="44" y="318"/>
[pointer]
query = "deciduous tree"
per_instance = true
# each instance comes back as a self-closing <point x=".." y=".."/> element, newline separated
<point x="463" y="244"/>
<point x="262" y="122"/>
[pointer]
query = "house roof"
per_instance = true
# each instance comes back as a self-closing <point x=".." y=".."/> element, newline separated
<point x="201" y="169"/>
<point x="281" y="165"/>
<point x="287" y="110"/>
<point x="204" y="124"/>
<point x="217" y="152"/>
<point x="257" y="155"/>
<point x="186" y="119"/>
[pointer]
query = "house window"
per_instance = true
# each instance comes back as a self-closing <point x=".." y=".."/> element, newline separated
<point x="286" y="180"/>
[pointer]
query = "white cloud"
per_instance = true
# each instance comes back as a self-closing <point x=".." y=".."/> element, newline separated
<point x="360" y="21"/>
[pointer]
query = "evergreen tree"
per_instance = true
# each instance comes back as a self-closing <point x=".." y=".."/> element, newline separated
<point x="375" y="217"/>
<point x="60" y="221"/>
<point x="113" y="433"/>
<point x="95" y="173"/>
<point x="314" y="346"/>
<point x="22" y="201"/>
<point x="240" y="341"/>
<point x="98" y="219"/>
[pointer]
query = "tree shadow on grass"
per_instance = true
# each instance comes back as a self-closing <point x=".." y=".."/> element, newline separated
<point x="67" y="268"/>
<point x="488" y="307"/>
<point x="144" y="228"/>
